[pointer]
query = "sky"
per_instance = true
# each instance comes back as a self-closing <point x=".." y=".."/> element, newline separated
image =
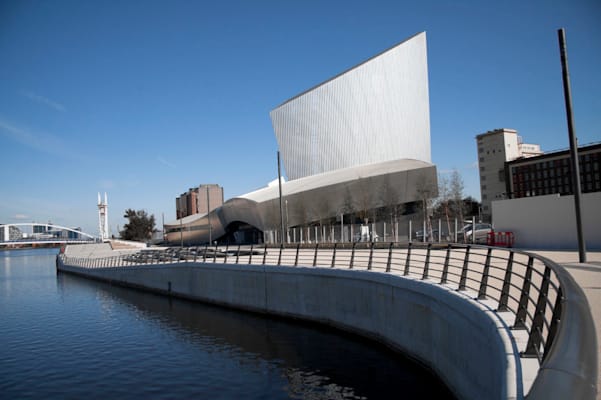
<point x="146" y="99"/>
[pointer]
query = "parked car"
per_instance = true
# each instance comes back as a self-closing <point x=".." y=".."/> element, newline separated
<point x="480" y="233"/>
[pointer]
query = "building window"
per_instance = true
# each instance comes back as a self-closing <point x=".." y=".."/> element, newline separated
<point x="484" y="197"/>
<point x="481" y="168"/>
<point x="483" y="187"/>
<point x="481" y="159"/>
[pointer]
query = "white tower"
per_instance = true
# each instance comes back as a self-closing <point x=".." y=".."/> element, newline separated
<point x="103" y="218"/>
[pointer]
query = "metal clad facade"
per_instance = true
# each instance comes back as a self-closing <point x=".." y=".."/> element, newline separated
<point x="375" y="112"/>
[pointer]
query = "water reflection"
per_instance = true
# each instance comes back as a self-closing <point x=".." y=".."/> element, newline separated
<point x="314" y="362"/>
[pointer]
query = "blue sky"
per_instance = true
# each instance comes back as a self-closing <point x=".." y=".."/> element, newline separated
<point x="145" y="99"/>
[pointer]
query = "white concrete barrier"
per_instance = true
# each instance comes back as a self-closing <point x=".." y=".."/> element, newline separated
<point x="466" y="344"/>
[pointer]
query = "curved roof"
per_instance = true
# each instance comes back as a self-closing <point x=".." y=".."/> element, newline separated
<point x="333" y="178"/>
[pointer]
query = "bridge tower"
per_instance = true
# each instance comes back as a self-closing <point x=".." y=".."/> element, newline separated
<point x="103" y="218"/>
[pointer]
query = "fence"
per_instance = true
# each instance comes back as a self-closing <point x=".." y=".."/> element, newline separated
<point x="538" y="294"/>
<point x="406" y="230"/>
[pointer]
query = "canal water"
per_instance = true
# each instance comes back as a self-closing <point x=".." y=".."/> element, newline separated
<point x="66" y="337"/>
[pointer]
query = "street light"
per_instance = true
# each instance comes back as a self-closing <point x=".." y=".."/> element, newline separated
<point x="287" y="226"/>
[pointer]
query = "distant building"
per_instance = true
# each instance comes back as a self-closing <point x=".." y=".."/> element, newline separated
<point x="199" y="200"/>
<point x="350" y="146"/>
<point x="551" y="173"/>
<point x="74" y="235"/>
<point x="538" y="203"/>
<point x="495" y="148"/>
<point x="9" y="232"/>
<point x="40" y="229"/>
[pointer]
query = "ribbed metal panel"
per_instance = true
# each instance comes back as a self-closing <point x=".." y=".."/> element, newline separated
<point x="377" y="111"/>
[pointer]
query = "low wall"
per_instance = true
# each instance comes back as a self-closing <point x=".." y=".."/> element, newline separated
<point x="463" y="342"/>
<point x="549" y="222"/>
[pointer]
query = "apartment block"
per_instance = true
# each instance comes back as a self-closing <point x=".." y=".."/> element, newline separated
<point x="199" y="200"/>
<point x="495" y="148"/>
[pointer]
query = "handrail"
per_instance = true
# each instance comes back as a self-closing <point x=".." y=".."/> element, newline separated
<point x="542" y="296"/>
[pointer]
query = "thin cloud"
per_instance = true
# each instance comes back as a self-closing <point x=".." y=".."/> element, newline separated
<point x="165" y="162"/>
<point x="42" y="142"/>
<point x="20" y="217"/>
<point x="43" y="100"/>
<point x="27" y="138"/>
<point x="473" y="165"/>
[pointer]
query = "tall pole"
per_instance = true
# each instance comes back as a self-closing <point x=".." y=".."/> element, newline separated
<point x="567" y="92"/>
<point x="209" y="217"/>
<point x="281" y="209"/>
<point x="287" y="225"/>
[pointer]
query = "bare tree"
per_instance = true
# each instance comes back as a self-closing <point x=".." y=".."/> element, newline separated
<point x="392" y="207"/>
<point x="456" y="193"/>
<point x="444" y="196"/>
<point x="364" y="200"/>
<point x="426" y="190"/>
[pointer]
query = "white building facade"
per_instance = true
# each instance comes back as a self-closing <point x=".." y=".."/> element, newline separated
<point x="375" y="112"/>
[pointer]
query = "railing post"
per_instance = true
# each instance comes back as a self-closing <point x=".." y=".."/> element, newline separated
<point x="265" y="254"/>
<point x="466" y="262"/>
<point x="554" y="321"/>
<point x="504" y="299"/>
<point x="445" y="268"/>
<point x="204" y="256"/>
<point x="371" y="254"/>
<point x="334" y="256"/>
<point x="408" y="260"/>
<point x="280" y="256"/>
<point x="427" y="264"/>
<point x="215" y="254"/>
<point x="250" y="257"/>
<point x="485" y="273"/>
<point x="227" y="247"/>
<point x="352" y="254"/>
<point x="389" y="257"/>
<point x="296" y="257"/>
<point x="238" y="254"/>
<point x="536" y="331"/>
<point x="315" y="256"/>
<point x="520" y="318"/>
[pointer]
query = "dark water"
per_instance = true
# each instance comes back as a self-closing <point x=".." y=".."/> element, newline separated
<point x="67" y="337"/>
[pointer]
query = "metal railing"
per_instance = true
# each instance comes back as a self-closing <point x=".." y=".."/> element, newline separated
<point x="537" y="294"/>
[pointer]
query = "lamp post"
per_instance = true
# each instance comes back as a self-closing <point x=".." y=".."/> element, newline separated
<point x="287" y="226"/>
<point x="209" y="217"/>
<point x="281" y="210"/>
<point x="573" y="143"/>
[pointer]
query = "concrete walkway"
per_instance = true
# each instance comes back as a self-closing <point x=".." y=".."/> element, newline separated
<point x="588" y="277"/>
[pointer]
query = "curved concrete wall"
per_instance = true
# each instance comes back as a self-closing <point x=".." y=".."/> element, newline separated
<point x="462" y="341"/>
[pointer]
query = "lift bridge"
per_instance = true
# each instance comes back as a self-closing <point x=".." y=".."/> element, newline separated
<point x="33" y="233"/>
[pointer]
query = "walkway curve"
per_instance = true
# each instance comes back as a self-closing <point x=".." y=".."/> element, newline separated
<point x="547" y="311"/>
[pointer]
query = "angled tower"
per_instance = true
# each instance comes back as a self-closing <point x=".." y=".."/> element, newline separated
<point x="375" y="112"/>
<point x="103" y="218"/>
